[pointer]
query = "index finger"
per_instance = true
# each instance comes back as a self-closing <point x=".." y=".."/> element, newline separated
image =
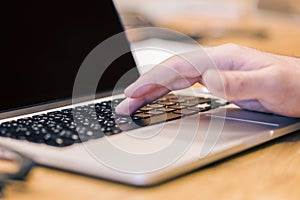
<point x="175" y="73"/>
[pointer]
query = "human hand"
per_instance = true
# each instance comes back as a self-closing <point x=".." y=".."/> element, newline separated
<point x="251" y="79"/>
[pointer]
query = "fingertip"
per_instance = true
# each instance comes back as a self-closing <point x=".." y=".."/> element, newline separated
<point x="128" y="106"/>
<point x="123" y="108"/>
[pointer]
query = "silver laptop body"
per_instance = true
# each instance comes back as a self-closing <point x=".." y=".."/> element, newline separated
<point x="33" y="81"/>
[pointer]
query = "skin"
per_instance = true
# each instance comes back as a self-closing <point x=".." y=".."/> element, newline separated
<point x="252" y="79"/>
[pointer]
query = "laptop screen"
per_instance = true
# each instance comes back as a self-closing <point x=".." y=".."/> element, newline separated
<point x="44" y="43"/>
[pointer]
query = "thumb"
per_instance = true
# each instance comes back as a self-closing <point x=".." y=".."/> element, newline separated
<point x="236" y="85"/>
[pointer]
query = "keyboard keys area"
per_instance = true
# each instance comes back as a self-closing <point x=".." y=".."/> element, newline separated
<point x="70" y="126"/>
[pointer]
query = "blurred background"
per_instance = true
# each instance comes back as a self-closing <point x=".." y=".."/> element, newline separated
<point x="269" y="25"/>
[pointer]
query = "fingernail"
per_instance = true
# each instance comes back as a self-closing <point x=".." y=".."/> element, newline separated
<point x="123" y="108"/>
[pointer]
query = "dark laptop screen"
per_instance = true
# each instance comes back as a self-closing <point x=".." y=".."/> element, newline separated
<point x="44" y="43"/>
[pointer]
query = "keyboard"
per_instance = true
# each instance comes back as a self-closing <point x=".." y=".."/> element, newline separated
<point x="82" y="123"/>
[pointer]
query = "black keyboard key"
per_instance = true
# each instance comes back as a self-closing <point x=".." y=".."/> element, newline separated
<point x="188" y="104"/>
<point x="155" y="106"/>
<point x="167" y="109"/>
<point x="155" y="119"/>
<point x="155" y="112"/>
<point x="112" y="131"/>
<point x="177" y="107"/>
<point x="144" y="109"/>
<point x="186" y="112"/>
<point x="140" y="116"/>
<point x="200" y="100"/>
<point x="178" y="101"/>
<point x="167" y="103"/>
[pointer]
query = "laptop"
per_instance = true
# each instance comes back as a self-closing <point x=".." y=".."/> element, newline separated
<point x="43" y="48"/>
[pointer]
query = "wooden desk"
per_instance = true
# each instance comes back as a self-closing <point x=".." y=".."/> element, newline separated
<point x="271" y="171"/>
<point x="267" y="32"/>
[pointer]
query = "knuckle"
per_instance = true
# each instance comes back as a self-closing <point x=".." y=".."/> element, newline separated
<point x="175" y="62"/>
<point x="230" y="47"/>
<point x="182" y="67"/>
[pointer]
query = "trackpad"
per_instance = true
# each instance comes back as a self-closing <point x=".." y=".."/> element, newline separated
<point x="255" y="117"/>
